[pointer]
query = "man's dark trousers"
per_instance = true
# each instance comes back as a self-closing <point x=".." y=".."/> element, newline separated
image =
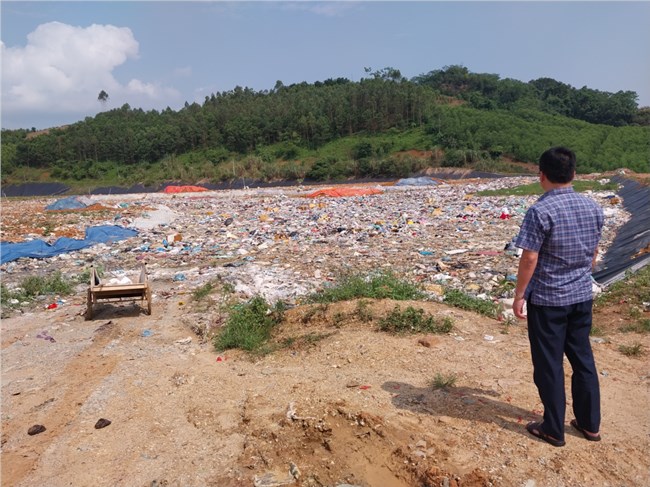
<point x="554" y="331"/>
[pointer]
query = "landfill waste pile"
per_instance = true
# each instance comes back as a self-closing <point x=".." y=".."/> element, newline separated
<point x="284" y="243"/>
<point x="343" y="394"/>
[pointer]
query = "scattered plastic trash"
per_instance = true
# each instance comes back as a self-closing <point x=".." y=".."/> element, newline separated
<point x="52" y="306"/>
<point x="45" y="336"/>
<point x="455" y="251"/>
<point x="275" y="243"/>
<point x="146" y="333"/>
<point x="343" y="192"/>
<point x="119" y="281"/>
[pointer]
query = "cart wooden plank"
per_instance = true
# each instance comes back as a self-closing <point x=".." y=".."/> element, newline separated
<point x="97" y="291"/>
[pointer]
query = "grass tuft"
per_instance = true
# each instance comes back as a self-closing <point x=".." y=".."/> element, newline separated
<point x="53" y="284"/>
<point x="363" y="311"/>
<point x="444" y="381"/>
<point x="84" y="277"/>
<point x="641" y="326"/>
<point x="634" y="350"/>
<point x="383" y="285"/>
<point x="596" y="331"/>
<point x="203" y="291"/>
<point x="413" y="320"/>
<point x="458" y="299"/>
<point x="249" y="326"/>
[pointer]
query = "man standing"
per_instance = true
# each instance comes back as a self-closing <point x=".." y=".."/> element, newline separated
<point x="559" y="237"/>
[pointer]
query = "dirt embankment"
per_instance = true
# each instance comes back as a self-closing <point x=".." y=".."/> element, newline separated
<point x="343" y="403"/>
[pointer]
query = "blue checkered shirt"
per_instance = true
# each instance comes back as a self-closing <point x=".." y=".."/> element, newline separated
<point x="564" y="228"/>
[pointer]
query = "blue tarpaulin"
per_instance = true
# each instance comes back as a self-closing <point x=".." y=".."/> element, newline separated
<point x="38" y="249"/>
<point x="421" y="181"/>
<point x="69" y="203"/>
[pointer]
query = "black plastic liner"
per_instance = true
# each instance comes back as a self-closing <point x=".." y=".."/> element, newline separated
<point x="55" y="189"/>
<point x="242" y="183"/>
<point x="34" y="189"/>
<point x="631" y="238"/>
<point x="138" y="188"/>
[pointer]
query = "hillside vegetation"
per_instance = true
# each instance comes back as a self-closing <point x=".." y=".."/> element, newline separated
<point x="340" y="129"/>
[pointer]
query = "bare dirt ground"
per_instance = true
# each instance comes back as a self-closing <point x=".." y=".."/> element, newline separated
<point x="344" y="404"/>
<point x="339" y="403"/>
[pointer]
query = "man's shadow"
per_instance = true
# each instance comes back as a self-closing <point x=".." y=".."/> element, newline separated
<point x="463" y="403"/>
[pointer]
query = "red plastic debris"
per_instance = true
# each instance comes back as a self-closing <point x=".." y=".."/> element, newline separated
<point x="53" y="306"/>
<point x="364" y="387"/>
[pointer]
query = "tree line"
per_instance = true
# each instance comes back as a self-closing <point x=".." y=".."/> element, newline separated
<point x="467" y="116"/>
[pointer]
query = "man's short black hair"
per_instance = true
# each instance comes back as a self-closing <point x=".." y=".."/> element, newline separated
<point x="558" y="164"/>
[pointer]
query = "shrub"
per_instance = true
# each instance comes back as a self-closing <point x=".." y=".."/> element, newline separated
<point x="362" y="150"/>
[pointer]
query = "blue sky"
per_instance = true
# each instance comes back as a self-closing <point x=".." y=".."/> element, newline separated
<point x="58" y="56"/>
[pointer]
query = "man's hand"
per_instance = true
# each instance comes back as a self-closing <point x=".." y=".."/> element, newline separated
<point x="527" y="265"/>
<point x="518" y="308"/>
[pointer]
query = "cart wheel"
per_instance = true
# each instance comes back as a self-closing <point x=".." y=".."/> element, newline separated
<point x="149" y="301"/>
<point x="89" y="306"/>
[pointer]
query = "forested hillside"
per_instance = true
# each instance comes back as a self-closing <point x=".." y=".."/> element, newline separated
<point x="338" y="128"/>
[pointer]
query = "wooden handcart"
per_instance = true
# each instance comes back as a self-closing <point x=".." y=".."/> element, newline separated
<point x="115" y="293"/>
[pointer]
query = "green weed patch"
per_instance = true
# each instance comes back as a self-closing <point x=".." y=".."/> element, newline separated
<point x="458" y="299"/>
<point x="377" y="286"/>
<point x="249" y="326"/>
<point x="414" y="320"/>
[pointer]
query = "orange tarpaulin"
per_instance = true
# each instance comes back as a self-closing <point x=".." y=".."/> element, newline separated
<point x="339" y="192"/>
<point x="184" y="189"/>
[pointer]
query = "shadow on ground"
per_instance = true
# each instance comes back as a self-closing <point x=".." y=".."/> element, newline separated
<point x="463" y="403"/>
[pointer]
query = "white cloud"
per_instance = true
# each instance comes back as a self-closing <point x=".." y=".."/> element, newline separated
<point x="62" y="68"/>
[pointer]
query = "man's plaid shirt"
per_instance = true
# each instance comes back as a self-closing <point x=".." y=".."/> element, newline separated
<point x="564" y="228"/>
